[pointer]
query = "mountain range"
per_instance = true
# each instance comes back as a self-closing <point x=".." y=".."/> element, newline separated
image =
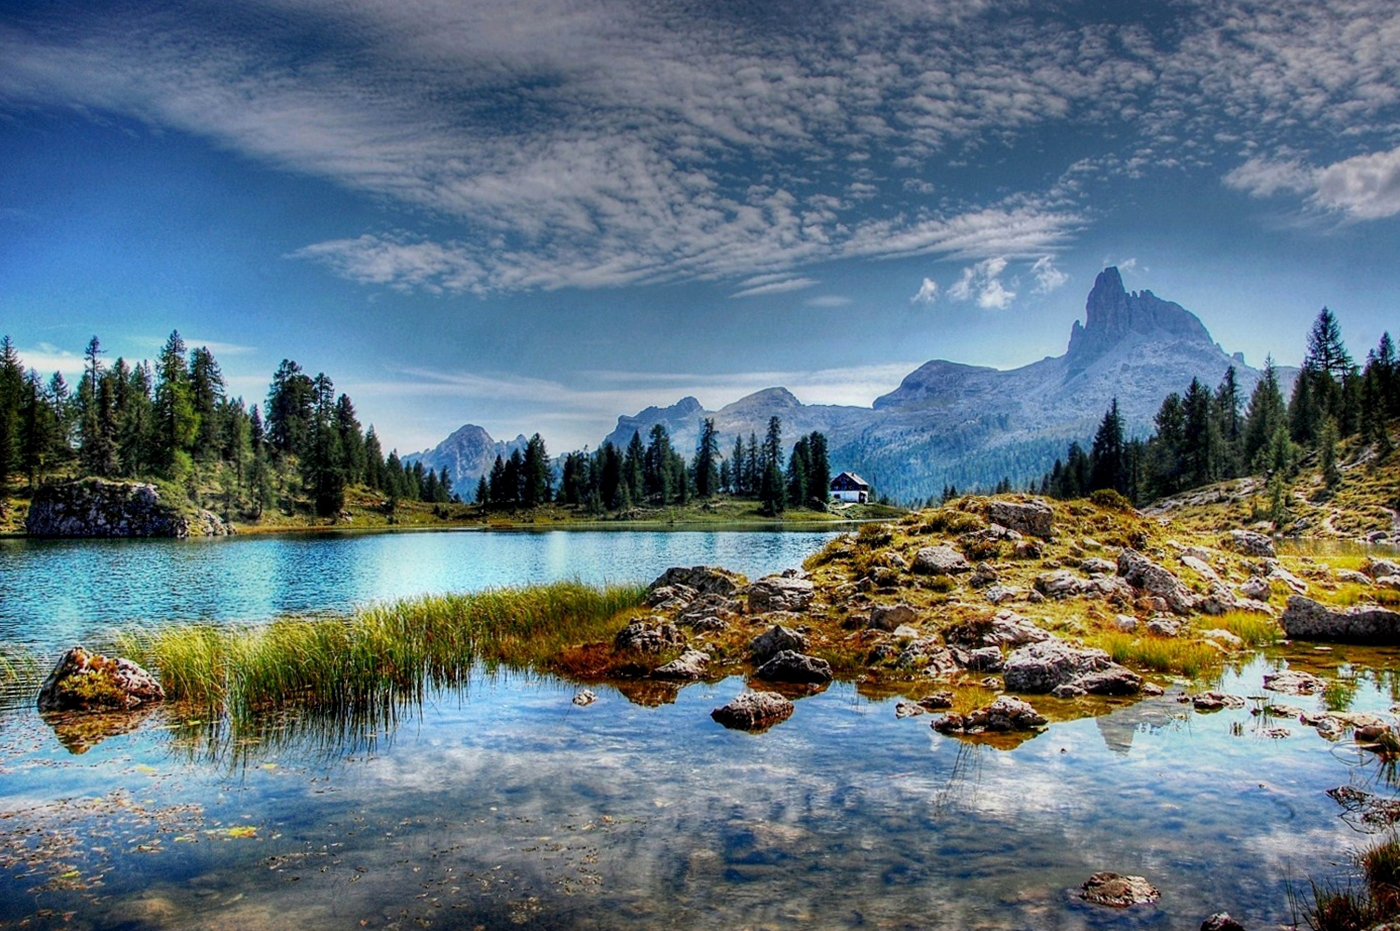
<point x="950" y="423"/>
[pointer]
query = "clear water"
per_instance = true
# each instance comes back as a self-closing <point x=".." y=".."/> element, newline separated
<point x="54" y="592"/>
<point x="505" y="805"/>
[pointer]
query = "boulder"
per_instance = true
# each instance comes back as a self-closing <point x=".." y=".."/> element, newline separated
<point x="1380" y="568"/>
<point x="984" y="659"/>
<point x="775" y="640"/>
<point x="689" y="666"/>
<point x="1351" y="575"/>
<point x="670" y="598"/>
<point x="649" y="635"/>
<point x="96" y="507"/>
<point x="998" y="593"/>
<point x="710" y="605"/>
<point x="1052" y="664"/>
<point x="1117" y="891"/>
<point x="1227" y="639"/>
<point x="1256" y="588"/>
<point x="791" y="666"/>
<point x="1214" y="701"/>
<point x="1145" y="575"/>
<point x="1097" y="565"/>
<point x="83" y="681"/>
<point x="779" y="593"/>
<point x="908" y="709"/>
<point x="1293" y="682"/>
<point x="940" y="560"/>
<point x="1007" y="628"/>
<point x="584" y="697"/>
<point x="704" y="580"/>
<point x="889" y="617"/>
<point x="1249" y="543"/>
<point x="1305" y="619"/>
<point x="1034" y="518"/>
<point x="1223" y="599"/>
<point x="1126" y="623"/>
<point x="1200" y="567"/>
<point x="753" y="711"/>
<point x="1062" y="583"/>
<point x="928" y="655"/>
<point x="1003" y="715"/>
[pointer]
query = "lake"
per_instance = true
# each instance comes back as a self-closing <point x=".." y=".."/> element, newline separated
<point x="503" y="804"/>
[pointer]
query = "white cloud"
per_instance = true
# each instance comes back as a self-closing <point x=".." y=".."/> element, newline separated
<point x="1262" y="177"/>
<point x="1366" y="187"/>
<point x="1047" y="277"/>
<point x="780" y="286"/>
<point x="927" y="294"/>
<point x="982" y="282"/>
<point x="828" y="301"/>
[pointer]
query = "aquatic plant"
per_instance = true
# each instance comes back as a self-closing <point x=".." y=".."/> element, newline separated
<point x="20" y="675"/>
<point x="379" y="656"/>
<point x="1353" y="908"/>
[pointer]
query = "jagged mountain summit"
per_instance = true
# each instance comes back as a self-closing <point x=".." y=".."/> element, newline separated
<point x="467" y="455"/>
<point x="966" y="425"/>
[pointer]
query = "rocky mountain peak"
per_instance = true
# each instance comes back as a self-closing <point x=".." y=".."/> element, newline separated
<point x="1112" y="313"/>
<point x="774" y="399"/>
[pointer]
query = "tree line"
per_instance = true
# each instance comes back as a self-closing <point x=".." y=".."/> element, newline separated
<point x="1206" y="436"/>
<point x="174" y="421"/>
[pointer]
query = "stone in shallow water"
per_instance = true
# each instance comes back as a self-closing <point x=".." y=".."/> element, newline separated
<point x="584" y="698"/>
<point x="1117" y="891"/>
<point x="83" y="681"/>
<point x="791" y="666"/>
<point x="754" y="711"/>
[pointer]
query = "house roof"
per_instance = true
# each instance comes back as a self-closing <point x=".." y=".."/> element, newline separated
<point x="849" y="478"/>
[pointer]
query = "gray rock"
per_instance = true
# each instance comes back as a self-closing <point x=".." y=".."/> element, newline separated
<point x="1214" y="701"/>
<point x="908" y="709"/>
<point x="1115" y="680"/>
<point x="95" y="507"/>
<point x="1249" y="543"/>
<point x="690" y="665"/>
<point x="1305" y="619"/>
<point x="1062" y="583"/>
<point x="709" y="605"/>
<point x="937" y="701"/>
<point x="1221" y="921"/>
<point x="670" y="597"/>
<point x="704" y="580"/>
<point x="985" y="659"/>
<point x="791" y="666"/>
<point x="905" y="632"/>
<point x="1256" y="587"/>
<point x="1034" y="517"/>
<point x="998" y="593"/>
<point x="1097" y="565"/>
<point x="775" y="640"/>
<point x="649" y="635"/>
<point x="1007" y="628"/>
<point x="1351" y="575"/>
<point x="1043" y="667"/>
<point x="1117" y="891"/>
<point x="1294" y="682"/>
<point x="1200" y="567"/>
<point x="753" y="711"/>
<point x="1164" y="627"/>
<point x="584" y="698"/>
<point x="1380" y="568"/>
<point x="778" y="593"/>
<point x="940" y="560"/>
<point x="1144" y="574"/>
<point x="1126" y="623"/>
<point x="888" y="617"/>
<point x="83" y="681"/>
<point x="1227" y="639"/>
<point x="1003" y="715"/>
<point x="1222" y="599"/>
<point x="928" y="655"/>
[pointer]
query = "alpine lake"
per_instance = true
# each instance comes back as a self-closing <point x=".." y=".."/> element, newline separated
<point x="502" y="804"/>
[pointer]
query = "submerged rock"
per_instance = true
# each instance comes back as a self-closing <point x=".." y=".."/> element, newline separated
<point x="1117" y="891"/>
<point x="1293" y="682"/>
<point x="754" y="711"/>
<point x="1305" y="619"/>
<point x="584" y="698"/>
<point x="83" y="681"/>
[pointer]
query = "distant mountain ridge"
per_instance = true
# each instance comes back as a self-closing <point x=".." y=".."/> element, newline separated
<point x="966" y="425"/>
<point x="467" y="455"/>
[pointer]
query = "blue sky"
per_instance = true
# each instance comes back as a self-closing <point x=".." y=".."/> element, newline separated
<point x="540" y="215"/>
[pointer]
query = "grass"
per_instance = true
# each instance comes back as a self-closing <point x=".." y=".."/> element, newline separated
<point x="379" y="656"/>
<point x="1256" y="630"/>
<point x="1358" y="908"/>
<point x="1174" y="655"/>
<point x="20" y="675"/>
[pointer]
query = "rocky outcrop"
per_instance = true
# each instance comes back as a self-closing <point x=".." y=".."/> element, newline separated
<point x="940" y="560"/>
<point x="1055" y="666"/>
<point x="649" y="635"/>
<point x="703" y="580"/>
<point x="1117" y="891"/>
<point x="1249" y="543"/>
<point x="1305" y="619"/>
<point x="791" y="666"/>
<point x="775" y="640"/>
<point x="1003" y="715"/>
<point x="891" y="617"/>
<point x="1034" y="518"/>
<point x="689" y="666"/>
<point x="753" y="711"/>
<point x="83" y="681"/>
<point x="779" y="593"/>
<point x="95" y="507"/>
<point x="1153" y="580"/>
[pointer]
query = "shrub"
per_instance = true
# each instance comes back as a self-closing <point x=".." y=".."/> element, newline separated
<point x="1110" y="499"/>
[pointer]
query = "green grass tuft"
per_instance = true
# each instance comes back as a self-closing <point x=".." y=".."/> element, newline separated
<point x="1178" y="656"/>
<point x="1256" y="630"/>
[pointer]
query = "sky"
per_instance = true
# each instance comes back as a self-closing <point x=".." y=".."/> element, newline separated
<point x="537" y="215"/>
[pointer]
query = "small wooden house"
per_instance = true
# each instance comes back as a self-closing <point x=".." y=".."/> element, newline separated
<point x="849" y="486"/>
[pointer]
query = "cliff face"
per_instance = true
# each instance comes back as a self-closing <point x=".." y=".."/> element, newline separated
<point x="95" y="507"/>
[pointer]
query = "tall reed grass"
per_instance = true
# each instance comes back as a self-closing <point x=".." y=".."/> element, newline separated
<point x="378" y="657"/>
<point x="1176" y="655"/>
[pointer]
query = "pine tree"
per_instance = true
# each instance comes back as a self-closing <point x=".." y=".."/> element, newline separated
<point x="656" y="473"/>
<point x="1200" y="443"/>
<point x="289" y="410"/>
<point x="178" y="423"/>
<point x="738" y="483"/>
<point x="799" y="464"/>
<point x="707" y="479"/>
<point x="1106" y="455"/>
<point x="1229" y="425"/>
<point x="1266" y="413"/>
<point x="535" y="478"/>
<point x="11" y="407"/>
<point x="207" y="395"/>
<point x="819" y="473"/>
<point x="323" y="469"/>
